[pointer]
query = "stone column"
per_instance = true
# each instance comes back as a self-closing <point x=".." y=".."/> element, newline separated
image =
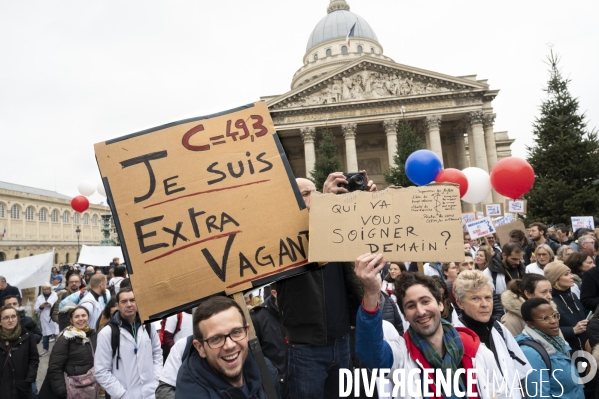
<point x="433" y="123"/>
<point x="308" y="135"/>
<point x="390" y="126"/>
<point x="475" y="120"/>
<point x="460" y="147"/>
<point x="488" y="122"/>
<point x="351" y="157"/>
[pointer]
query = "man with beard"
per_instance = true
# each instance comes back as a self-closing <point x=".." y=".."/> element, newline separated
<point x="96" y="299"/>
<point x="62" y="317"/>
<point x="429" y="343"/>
<point x="128" y="359"/>
<point x="507" y="268"/>
<point x="538" y="235"/>
<point x="221" y="366"/>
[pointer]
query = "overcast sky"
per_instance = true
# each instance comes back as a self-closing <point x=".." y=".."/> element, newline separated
<point x="73" y="73"/>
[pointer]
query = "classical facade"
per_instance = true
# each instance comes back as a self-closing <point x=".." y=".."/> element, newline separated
<point x="33" y="221"/>
<point x="361" y="95"/>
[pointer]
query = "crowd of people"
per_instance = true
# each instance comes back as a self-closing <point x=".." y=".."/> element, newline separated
<point x="519" y="313"/>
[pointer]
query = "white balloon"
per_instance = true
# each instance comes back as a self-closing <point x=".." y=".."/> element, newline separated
<point x="86" y="188"/>
<point x="479" y="185"/>
<point x="101" y="190"/>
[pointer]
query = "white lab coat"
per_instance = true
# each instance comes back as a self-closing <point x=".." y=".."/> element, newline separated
<point x="138" y="374"/>
<point x="511" y="368"/>
<point x="484" y="363"/>
<point x="48" y="326"/>
<point x="94" y="307"/>
<point x="173" y="362"/>
<point x="500" y="280"/>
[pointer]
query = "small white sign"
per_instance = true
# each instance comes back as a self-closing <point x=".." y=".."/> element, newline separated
<point x="480" y="228"/>
<point x="579" y="222"/>
<point x="516" y="206"/>
<point x="493" y="210"/>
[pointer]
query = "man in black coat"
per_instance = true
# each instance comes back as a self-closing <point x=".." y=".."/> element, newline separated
<point x="24" y="320"/>
<point x="7" y="289"/>
<point x="538" y="234"/>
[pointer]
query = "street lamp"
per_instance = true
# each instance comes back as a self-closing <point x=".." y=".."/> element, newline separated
<point x="78" y="231"/>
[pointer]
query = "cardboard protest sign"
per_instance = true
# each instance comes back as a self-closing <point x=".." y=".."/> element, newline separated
<point x="480" y="228"/>
<point x="503" y="231"/>
<point x="517" y="206"/>
<point x="579" y="222"/>
<point x="493" y="210"/>
<point x="404" y="224"/>
<point x="203" y="206"/>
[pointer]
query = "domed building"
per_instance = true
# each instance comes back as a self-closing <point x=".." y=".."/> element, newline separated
<point x="348" y="85"/>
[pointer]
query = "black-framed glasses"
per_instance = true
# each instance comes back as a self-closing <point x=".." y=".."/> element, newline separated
<point x="218" y="341"/>
<point x="547" y="318"/>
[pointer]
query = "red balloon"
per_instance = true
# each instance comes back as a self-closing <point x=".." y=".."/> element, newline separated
<point x="456" y="176"/>
<point x="512" y="177"/>
<point x="80" y="203"/>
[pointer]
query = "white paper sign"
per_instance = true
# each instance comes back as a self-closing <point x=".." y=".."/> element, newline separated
<point x="516" y="206"/>
<point x="579" y="222"/>
<point x="27" y="272"/>
<point x="507" y="218"/>
<point x="480" y="228"/>
<point x="467" y="218"/>
<point x="493" y="210"/>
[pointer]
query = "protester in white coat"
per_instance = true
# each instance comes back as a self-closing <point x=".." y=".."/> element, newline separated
<point x="474" y="295"/>
<point x="43" y="306"/>
<point x="134" y="370"/>
<point x="430" y="343"/>
<point x="96" y="298"/>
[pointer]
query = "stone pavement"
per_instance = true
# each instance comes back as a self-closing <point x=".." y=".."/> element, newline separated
<point x="43" y="368"/>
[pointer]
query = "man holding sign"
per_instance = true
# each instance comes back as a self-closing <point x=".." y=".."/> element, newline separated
<point x="318" y="309"/>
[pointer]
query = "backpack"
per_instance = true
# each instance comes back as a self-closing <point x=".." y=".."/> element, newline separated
<point x="115" y="340"/>
<point x="163" y="326"/>
<point x="112" y="287"/>
<point x="539" y="348"/>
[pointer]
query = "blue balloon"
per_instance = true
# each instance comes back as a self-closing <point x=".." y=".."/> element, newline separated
<point x="422" y="167"/>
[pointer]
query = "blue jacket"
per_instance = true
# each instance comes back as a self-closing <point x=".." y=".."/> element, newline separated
<point x="196" y="379"/>
<point x="561" y="384"/>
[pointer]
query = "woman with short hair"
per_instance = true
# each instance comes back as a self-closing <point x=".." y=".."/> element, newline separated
<point x="564" y="252"/>
<point x="19" y="358"/>
<point x="530" y="286"/>
<point x="542" y="327"/>
<point x="544" y="255"/>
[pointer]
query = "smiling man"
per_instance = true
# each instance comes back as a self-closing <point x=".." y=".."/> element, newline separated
<point x="221" y="364"/>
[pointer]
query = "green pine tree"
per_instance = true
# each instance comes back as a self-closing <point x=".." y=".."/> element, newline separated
<point x="407" y="142"/>
<point x="564" y="157"/>
<point x="327" y="160"/>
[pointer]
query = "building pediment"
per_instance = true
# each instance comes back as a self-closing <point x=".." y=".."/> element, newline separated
<point x="367" y="79"/>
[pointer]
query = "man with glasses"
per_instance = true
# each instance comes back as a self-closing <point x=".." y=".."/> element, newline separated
<point x="128" y="358"/>
<point x="221" y="364"/>
<point x="586" y="245"/>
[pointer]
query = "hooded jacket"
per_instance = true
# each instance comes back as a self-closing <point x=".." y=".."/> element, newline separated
<point x="138" y="372"/>
<point x="21" y="366"/>
<point x="560" y="384"/>
<point x="196" y="379"/>
<point x="512" y="319"/>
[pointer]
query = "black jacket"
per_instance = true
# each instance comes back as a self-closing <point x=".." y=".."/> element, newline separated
<point x="196" y="379"/>
<point x="10" y="291"/>
<point x="69" y="356"/>
<point x="571" y="311"/>
<point x="28" y="323"/>
<point x="21" y="368"/>
<point x="530" y="248"/>
<point x="589" y="289"/>
<point x="271" y="334"/>
<point x="302" y="306"/>
<point x="390" y="312"/>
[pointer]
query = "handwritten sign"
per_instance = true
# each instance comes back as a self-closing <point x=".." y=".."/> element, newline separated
<point x="468" y="217"/>
<point x="579" y="222"/>
<point x="404" y="224"/>
<point x="493" y="210"/>
<point x="480" y="228"/>
<point x="203" y="206"/>
<point x="518" y="206"/>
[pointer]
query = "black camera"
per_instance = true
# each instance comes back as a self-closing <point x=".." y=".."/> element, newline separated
<point x="355" y="182"/>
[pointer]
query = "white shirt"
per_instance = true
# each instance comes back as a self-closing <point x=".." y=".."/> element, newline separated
<point x="534" y="268"/>
<point x="173" y="363"/>
<point x="186" y="326"/>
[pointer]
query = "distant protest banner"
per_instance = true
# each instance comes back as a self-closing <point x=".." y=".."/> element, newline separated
<point x="403" y="224"/>
<point x="579" y="222"/>
<point x="480" y="228"/>
<point x="493" y="210"/>
<point x="29" y="271"/>
<point x="203" y="206"/>
<point x="517" y="206"/>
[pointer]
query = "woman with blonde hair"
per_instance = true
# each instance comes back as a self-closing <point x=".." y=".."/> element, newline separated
<point x="563" y="253"/>
<point x="544" y="256"/>
<point x="483" y="257"/>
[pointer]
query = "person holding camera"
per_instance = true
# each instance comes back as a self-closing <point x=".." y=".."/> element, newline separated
<point x="318" y="309"/>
